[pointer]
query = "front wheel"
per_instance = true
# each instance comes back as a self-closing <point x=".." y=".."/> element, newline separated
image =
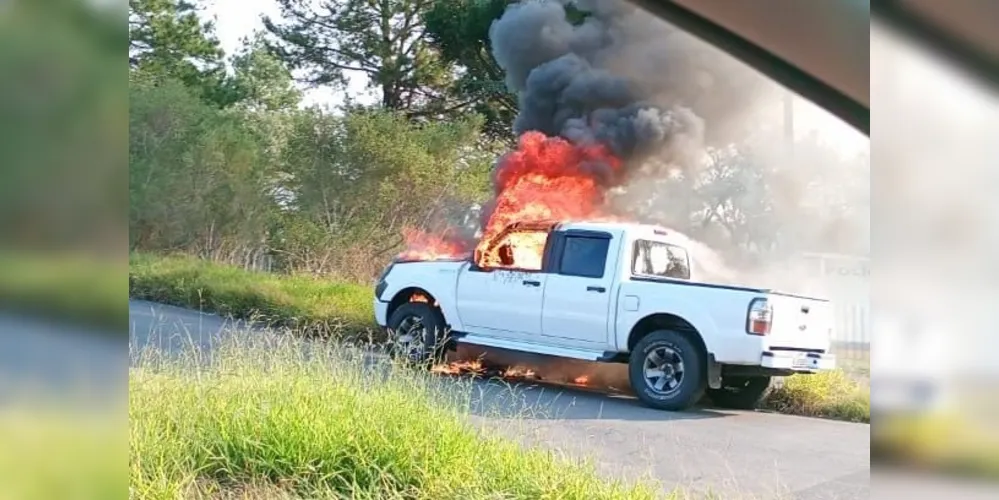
<point x="741" y="393"/>
<point x="666" y="371"/>
<point x="416" y="334"/>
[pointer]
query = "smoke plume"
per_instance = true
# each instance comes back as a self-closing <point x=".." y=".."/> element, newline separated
<point x="567" y="86"/>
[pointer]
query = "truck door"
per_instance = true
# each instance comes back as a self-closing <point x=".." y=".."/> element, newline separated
<point x="501" y="302"/>
<point x="577" y="296"/>
<point x="505" y="301"/>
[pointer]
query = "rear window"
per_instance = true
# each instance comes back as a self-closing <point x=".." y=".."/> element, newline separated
<point x="658" y="259"/>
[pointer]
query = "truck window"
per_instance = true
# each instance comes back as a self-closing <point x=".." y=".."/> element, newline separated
<point x="585" y="257"/>
<point x="521" y="250"/>
<point x="658" y="259"/>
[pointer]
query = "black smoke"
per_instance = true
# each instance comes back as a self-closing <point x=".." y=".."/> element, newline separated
<point x="583" y="82"/>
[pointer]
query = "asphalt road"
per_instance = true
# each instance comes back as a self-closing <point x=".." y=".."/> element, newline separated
<point x="42" y="359"/>
<point x="731" y="453"/>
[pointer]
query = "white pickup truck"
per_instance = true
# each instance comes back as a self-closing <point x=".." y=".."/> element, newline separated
<point x="608" y="292"/>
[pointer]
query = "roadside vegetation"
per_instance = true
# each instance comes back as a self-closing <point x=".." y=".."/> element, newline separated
<point x="303" y="303"/>
<point x="276" y="419"/>
<point x="834" y="394"/>
<point x="65" y="287"/>
<point x="343" y="312"/>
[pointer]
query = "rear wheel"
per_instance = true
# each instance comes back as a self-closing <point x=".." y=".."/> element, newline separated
<point x="741" y="393"/>
<point x="416" y="334"/>
<point x="666" y="371"/>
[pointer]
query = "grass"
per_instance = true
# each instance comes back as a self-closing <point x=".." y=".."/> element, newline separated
<point x="60" y="453"/>
<point x="831" y="394"/>
<point x="276" y="420"/>
<point x="68" y="287"/>
<point x="304" y="303"/>
<point x="939" y="441"/>
<point x="344" y="311"/>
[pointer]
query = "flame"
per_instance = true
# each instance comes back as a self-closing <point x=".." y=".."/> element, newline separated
<point x="516" y="372"/>
<point x="419" y="297"/>
<point x="459" y="367"/>
<point x="421" y="245"/>
<point x="544" y="179"/>
<point x="477" y="368"/>
<point x="581" y="380"/>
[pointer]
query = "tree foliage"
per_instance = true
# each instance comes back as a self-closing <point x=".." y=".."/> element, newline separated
<point x="168" y="38"/>
<point x="261" y="80"/>
<point x="384" y="41"/>
<point x="460" y="30"/>
<point x="62" y="119"/>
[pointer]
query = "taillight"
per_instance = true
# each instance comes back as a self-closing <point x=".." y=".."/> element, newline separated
<point x="759" y="317"/>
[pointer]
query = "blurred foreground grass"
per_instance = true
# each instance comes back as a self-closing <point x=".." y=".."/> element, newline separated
<point x="286" y="418"/>
<point x="56" y="452"/>
<point x="940" y="441"/>
<point x="69" y="287"/>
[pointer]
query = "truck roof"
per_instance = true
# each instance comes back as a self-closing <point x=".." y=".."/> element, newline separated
<point x="650" y="231"/>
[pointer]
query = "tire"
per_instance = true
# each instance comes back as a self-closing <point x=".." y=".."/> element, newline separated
<point x="429" y="347"/>
<point x="674" y="346"/>
<point x="741" y="393"/>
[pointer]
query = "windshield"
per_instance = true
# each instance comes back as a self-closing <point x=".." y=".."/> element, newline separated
<point x="658" y="259"/>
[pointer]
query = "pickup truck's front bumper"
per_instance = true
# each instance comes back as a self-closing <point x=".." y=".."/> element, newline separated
<point x="381" y="312"/>
<point x="798" y="361"/>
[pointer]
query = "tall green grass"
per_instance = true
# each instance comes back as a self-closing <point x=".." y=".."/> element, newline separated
<point x="282" y="418"/>
<point x="830" y="394"/>
<point x="304" y="303"/>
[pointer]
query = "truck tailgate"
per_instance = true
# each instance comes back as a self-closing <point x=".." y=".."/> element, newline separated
<point x="800" y="322"/>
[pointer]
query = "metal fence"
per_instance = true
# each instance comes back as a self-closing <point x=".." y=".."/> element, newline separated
<point x="851" y="332"/>
<point x="846" y="278"/>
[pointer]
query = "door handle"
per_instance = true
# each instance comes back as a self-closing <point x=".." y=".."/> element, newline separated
<point x="598" y="289"/>
<point x="532" y="283"/>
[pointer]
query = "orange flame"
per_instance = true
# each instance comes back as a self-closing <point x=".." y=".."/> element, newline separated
<point x="424" y="246"/>
<point x="459" y="367"/>
<point x="516" y="372"/>
<point x="419" y="297"/>
<point x="544" y="179"/>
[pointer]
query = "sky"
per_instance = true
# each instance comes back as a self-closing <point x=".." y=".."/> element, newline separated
<point x="236" y="19"/>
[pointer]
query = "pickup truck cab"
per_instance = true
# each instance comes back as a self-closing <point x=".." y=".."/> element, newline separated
<point x="608" y="292"/>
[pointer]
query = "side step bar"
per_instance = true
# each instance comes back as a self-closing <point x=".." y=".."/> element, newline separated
<point x="564" y="352"/>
